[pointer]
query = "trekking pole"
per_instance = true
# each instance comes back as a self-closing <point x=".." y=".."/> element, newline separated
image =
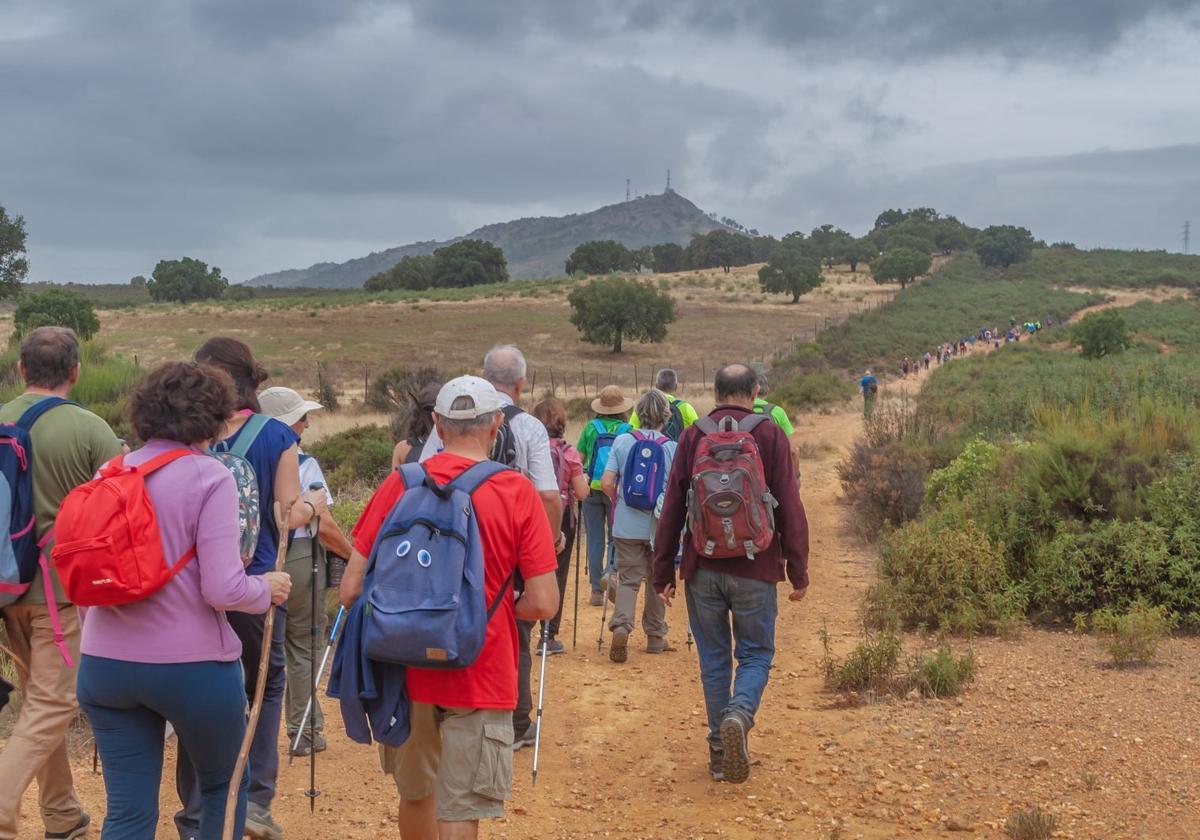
<point x="537" y="732"/>
<point x="333" y="634"/>
<point x="579" y="534"/>
<point x="282" y="515"/>
<point x="312" y="793"/>
<point x="603" y="620"/>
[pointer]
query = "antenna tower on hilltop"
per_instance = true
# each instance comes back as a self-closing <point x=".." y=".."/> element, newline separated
<point x="1187" y="235"/>
<point x="626" y="189"/>
<point x="668" y="181"/>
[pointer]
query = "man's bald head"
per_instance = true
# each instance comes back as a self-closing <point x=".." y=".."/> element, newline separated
<point x="736" y="384"/>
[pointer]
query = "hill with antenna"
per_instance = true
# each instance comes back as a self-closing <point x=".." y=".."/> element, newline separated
<point x="534" y="247"/>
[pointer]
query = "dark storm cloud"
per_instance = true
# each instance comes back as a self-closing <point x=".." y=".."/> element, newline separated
<point x="895" y="31"/>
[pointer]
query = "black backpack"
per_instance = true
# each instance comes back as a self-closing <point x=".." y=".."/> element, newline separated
<point x="674" y="427"/>
<point x="504" y="450"/>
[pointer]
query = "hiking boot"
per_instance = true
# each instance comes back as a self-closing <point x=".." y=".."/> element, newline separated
<point x="260" y="824"/>
<point x="81" y="828"/>
<point x="659" y="645"/>
<point x="610" y="587"/>
<point x="736" y="764"/>
<point x="716" y="763"/>
<point x="305" y="747"/>
<point x="552" y="647"/>
<point x="524" y="740"/>
<point x="618" y="649"/>
<point x="597" y="599"/>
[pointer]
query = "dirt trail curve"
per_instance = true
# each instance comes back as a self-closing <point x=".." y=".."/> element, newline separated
<point x="1112" y="753"/>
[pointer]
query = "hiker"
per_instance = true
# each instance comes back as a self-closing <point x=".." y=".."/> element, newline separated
<point x="523" y="444"/>
<point x="573" y="487"/>
<point x="171" y="656"/>
<point x="635" y="479"/>
<point x="683" y="413"/>
<point x="68" y="445"/>
<point x="776" y="412"/>
<point x="455" y="767"/>
<point x="731" y="565"/>
<point x="271" y="450"/>
<point x="416" y="425"/>
<point x="292" y="410"/>
<point x="904" y="367"/>
<point x="611" y="410"/>
<point x="869" y="385"/>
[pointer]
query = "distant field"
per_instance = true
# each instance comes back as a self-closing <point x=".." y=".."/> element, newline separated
<point x="721" y="317"/>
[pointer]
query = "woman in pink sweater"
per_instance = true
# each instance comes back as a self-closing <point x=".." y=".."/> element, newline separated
<point x="172" y="656"/>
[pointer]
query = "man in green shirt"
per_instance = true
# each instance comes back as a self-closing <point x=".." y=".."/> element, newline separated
<point x="69" y="445"/>
<point x="612" y="411"/>
<point x="683" y="414"/>
<point x="777" y="412"/>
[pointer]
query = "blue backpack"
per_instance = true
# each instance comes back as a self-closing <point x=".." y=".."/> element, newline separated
<point x="644" y="478"/>
<point x="424" y="591"/>
<point x="20" y="553"/>
<point x="603" y="445"/>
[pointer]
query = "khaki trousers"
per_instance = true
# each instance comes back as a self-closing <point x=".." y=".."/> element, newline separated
<point x="634" y="560"/>
<point x="297" y="643"/>
<point x="37" y="748"/>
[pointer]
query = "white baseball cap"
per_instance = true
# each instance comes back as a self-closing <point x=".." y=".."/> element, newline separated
<point x="483" y="396"/>
<point x="285" y="405"/>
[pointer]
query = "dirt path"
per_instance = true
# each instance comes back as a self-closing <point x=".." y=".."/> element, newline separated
<point x="1112" y="753"/>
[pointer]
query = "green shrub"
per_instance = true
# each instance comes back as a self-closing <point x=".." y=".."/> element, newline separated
<point x="811" y="390"/>
<point x="940" y="673"/>
<point x="361" y="455"/>
<point x="870" y="667"/>
<point x="1101" y="334"/>
<point x="390" y="390"/>
<point x="1132" y="638"/>
<point x="55" y="308"/>
<point x="972" y="468"/>
<point x="884" y="485"/>
<point x="943" y="572"/>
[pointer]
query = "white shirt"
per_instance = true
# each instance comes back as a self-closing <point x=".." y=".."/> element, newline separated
<point x="532" y="444"/>
<point x="310" y="473"/>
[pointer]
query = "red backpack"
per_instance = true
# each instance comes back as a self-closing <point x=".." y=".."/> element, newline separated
<point x="107" y="545"/>
<point x="731" y="513"/>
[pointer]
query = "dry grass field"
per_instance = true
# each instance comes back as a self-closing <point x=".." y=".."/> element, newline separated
<point x="721" y="317"/>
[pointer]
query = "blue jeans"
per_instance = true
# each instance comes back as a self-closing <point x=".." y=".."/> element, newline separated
<point x="713" y="599"/>
<point x="597" y="518"/>
<point x="264" y="748"/>
<point x="128" y="705"/>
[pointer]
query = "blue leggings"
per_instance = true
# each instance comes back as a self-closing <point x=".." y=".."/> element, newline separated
<point x="129" y="703"/>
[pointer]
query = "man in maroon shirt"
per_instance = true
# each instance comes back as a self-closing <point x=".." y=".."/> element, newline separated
<point x="741" y="587"/>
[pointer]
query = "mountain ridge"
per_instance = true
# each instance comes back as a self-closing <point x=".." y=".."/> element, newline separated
<point x="534" y="246"/>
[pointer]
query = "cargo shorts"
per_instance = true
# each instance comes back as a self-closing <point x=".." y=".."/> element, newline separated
<point x="464" y="756"/>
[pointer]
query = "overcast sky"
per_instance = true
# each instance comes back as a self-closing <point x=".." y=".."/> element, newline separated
<point x="267" y="134"/>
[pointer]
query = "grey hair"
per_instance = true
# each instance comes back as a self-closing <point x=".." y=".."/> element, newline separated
<point x="653" y="410"/>
<point x="461" y="427"/>
<point x="504" y="365"/>
<point x="666" y="380"/>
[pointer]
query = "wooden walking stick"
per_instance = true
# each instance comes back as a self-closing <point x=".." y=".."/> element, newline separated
<point x="282" y="514"/>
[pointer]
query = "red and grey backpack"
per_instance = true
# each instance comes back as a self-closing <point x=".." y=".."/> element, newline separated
<point x="731" y="512"/>
<point x="108" y="549"/>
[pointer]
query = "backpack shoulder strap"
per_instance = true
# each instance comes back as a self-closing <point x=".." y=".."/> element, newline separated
<point x="706" y="425"/>
<point x="473" y="477"/>
<point x="154" y="464"/>
<point x="412" y="475"/>
<point x="599" y="426"/>
<point x="35" y="411"/>
<point x="249" y="433"/>
<point x="750" y="422"/>
<point x="511" y="411"/>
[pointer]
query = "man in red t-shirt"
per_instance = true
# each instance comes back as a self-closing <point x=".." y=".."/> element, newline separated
<point x="456" y="767"/>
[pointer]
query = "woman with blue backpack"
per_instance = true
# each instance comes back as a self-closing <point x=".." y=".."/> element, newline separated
<point x="635" y="479"/>
<point x="264" y="456"/>
<point x="611" y="408"/>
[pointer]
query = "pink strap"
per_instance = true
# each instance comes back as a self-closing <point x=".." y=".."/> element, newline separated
<point x="60" y="640"/>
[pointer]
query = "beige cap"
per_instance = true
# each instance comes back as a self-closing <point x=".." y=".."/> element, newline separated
<point x="285" y="405"/>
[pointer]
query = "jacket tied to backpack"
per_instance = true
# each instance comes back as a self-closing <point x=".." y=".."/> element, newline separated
<point x="423" y="602"/>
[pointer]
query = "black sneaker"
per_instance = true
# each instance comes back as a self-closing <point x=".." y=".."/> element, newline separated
<point x="736" y="765"/>
<point x="81" y="828"/>
<point x="716" y="763"/>
<point x="554" y="646"/>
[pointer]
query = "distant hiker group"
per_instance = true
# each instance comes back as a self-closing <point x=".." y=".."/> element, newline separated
<point x="168" y="588"/>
